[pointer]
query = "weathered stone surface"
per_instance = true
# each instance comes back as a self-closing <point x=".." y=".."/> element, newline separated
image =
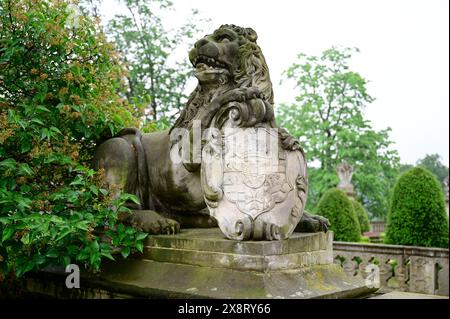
<point x="148" y="279"/>
<point x="213" y="240"/>
<point x="345" y="173"/>
<point x="207" y="247"/>
<point x="201" y="263"/>
<point x="255" y="189"/>
<point x="401" y="268"/>
<point x="406" y="295"/>
<point x="320" y="281"/>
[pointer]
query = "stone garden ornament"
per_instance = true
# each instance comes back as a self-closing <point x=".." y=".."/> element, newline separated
<point x="345" y="173"/>
<point x="225" y="161"/>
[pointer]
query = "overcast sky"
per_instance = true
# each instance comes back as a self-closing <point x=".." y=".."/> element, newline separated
<point x="404" y="53"/>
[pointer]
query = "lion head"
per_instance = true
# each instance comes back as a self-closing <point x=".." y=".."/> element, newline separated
<point x="226" y="59"/>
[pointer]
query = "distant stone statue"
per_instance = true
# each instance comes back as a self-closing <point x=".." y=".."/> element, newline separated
<point x="225" y="161"/>
<point x="345" y="173"/>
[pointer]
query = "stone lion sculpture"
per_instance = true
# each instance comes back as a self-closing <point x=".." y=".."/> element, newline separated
<point x="230" y="68"/>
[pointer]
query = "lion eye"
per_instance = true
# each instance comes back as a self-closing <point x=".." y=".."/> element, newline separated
<point x="224" y="38"/>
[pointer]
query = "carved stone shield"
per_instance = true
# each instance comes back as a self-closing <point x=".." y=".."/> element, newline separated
<point x="253" y="187"/>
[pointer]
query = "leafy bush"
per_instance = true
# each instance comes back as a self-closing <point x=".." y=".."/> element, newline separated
<point x="59" y="80"/>
<point x="417" y="214"/>
<point x="362" y="216"/>
<point x="364" y="239"/>
<point x="337" y="207"/>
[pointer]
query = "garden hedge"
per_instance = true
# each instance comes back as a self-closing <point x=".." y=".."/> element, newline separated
<point x="417" y="214"/>
<point x="337" y="207"/>
<point x="362" y="216"/>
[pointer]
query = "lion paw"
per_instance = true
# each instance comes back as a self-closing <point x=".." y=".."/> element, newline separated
<point x="239" y="95"/>
<point x="322" y="223"/>
<point x="152" y="223"/>
<point x="312" y="224"/>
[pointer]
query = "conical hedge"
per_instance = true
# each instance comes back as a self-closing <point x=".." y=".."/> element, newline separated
<point x="337" y="207"/>
<point x="417" y="215"/>
<point x="362" y="216"/>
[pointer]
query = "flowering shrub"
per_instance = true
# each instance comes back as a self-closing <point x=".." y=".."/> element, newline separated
<point x="59" y="84"/>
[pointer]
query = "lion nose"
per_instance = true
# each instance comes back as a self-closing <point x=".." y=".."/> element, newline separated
<point x="208" y="49"/>
<point x="200" y="43"/>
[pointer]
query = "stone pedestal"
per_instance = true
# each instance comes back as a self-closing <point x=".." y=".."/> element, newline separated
<point x="201" y="263"/>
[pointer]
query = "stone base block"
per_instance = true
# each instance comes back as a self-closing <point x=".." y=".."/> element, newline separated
<point x="209" y="248"/>
<point x="186" y="281"/>
<point x="201" y="263"/>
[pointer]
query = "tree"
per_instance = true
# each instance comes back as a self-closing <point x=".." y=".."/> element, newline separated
<point x="337" y="207"/>
<point x="59" y="79"/>
<point x="404" y="167"/>
<point x="146" y="47"/>
<point x="417" y="214"/>
<point x="362" y="216"/>
<point x="432" y="162"/>
<point x="328" y="119"/>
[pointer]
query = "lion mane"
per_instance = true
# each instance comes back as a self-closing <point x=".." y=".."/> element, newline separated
<point x="252" y="72"/>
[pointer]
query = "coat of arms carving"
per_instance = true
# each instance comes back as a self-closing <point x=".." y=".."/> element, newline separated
<point x="254" y="187"/>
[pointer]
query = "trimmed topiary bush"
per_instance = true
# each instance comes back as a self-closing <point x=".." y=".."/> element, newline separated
<point x="338" y="208"/>
<point x="362" y="216"/>
<point x="417" y="215"/>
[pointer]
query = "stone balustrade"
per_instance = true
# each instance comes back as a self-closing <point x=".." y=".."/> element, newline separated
<point x="401" y="268"/>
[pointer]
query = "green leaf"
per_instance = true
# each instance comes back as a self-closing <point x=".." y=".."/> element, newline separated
<point x="42" y="108"/>
<point x="52" y="253"/>
<point x="25" y="239"/>
<point x="38" y="121"/>
<point x="141" y="236"/>
<point x="94" y="189"/>
<point x="39" y="260"/>
<point x="131" y="197"/>
<point x="77" y="181"/>
<point x="125" y="252"/>
<point x="66" y="260"/>
<point x="25" y="268"/>
<point x="23" y="202"/>
<point x="140" y="246"/>
<point x="123" y="209"/>
<point x="8" y="163"/>
<point x="25" y="146"/>
<point x="7" y="233"/>
<point x="94" y="245"/>
<point x="24" y="169"/>
<point x="83" y="225"/>
<point x="94" y="259"/>
<point x="55" y="129"/>
<point x="63" y="234"/>
<point x="107" y="254"/>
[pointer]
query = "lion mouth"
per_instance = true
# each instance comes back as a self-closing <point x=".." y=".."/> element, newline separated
<point x="204" y="64"/>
